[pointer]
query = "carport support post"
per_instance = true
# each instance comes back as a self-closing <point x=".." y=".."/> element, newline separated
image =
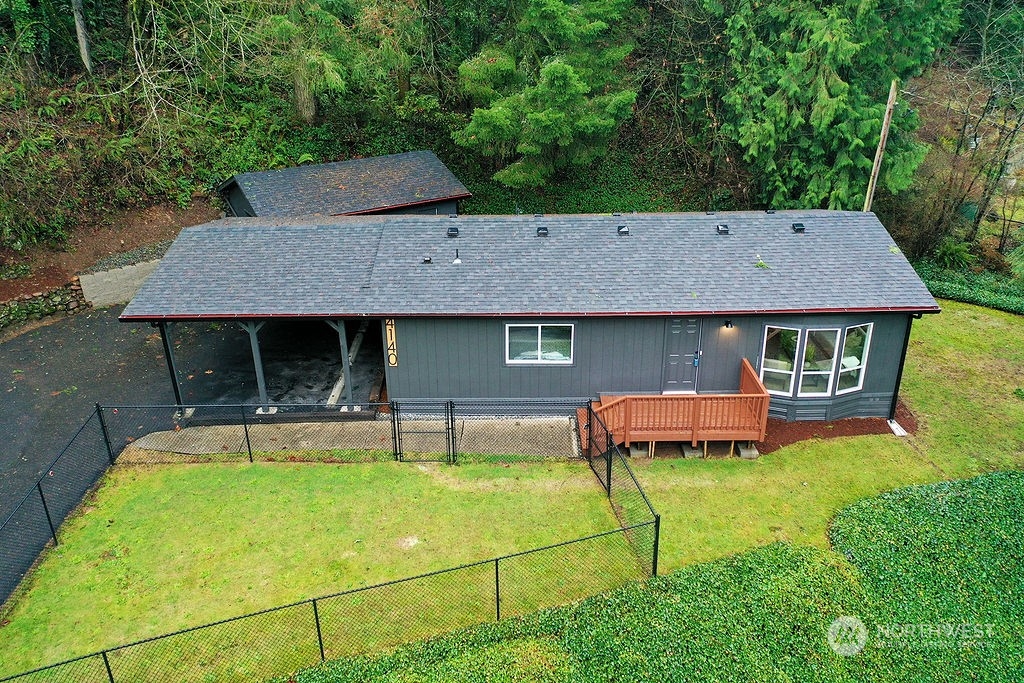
<point x="257" y="359"/>
<point x="172" y="366"/>
<point x="346" y="363"/>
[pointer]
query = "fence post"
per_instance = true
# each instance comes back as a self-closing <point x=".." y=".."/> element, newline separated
<point x="106" y="663"/>
<point x="497" y="592"/>
<point x="106" y="435"/>
<point x="319" y="633"/>
<point x="590" y="429"/>
<point x="657" y="537"/>
<point x="46" y="509"/>
<point x="245" y="429"/>
<point x="608" y="465"/>
<point x="449" y="427"/>
<point x="396" y="431"/>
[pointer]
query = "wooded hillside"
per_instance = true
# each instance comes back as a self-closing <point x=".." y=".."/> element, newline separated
<point x="592" y="105"/>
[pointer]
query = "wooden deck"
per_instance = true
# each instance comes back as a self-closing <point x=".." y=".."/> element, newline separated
<point x="689" y="417"/>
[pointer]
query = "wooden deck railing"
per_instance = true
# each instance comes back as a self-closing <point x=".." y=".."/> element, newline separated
<point x="690" y="417"/>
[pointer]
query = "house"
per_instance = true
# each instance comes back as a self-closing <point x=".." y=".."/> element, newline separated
<point x="573" y="306"/>
<point x="413" y="182"/>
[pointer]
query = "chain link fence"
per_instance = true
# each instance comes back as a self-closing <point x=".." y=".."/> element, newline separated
<point x="285" y="639"/>
<point x="628" y="500"/>
<point x="36" y="520"/>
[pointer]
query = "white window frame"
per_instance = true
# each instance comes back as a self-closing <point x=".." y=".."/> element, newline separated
<point x="863" y="361"/>
<point x="797" y="353"/>
<point x="831" y="372"/>
<point x="539" y="360"/>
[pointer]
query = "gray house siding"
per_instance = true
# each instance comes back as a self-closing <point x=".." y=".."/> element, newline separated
<point x="443" y="208"/>
<point x="453" y="358"/>
<point x="718" y="374"/>
<point x="465" y="358"/>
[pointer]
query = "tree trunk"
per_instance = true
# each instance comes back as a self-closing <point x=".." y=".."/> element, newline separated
<point x="305" y="102"/>
<point x="82" y="34"/>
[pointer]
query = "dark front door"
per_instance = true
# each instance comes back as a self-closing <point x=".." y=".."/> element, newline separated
<point x="682" y="355"/>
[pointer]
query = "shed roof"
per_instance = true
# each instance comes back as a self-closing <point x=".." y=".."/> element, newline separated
<point x="668" y="264"/>
<point x="350" y="187"/>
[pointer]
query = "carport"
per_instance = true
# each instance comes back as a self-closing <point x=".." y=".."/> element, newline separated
<point x="291" y="330"/>
<point x="248" y="279"/>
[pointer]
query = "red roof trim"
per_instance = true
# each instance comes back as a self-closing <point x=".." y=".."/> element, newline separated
<point x="392" y="207"/>
<point x="523" y="314"/>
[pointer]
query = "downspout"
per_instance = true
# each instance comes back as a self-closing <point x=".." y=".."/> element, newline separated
<point x="899" y="372"/>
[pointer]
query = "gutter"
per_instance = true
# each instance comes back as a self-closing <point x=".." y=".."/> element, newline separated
<point x="916" y="311"/>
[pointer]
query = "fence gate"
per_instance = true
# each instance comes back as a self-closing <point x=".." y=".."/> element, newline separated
<point x="425" y="432"/>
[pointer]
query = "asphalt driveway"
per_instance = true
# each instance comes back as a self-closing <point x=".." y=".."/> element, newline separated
<point x="50" y="379"/>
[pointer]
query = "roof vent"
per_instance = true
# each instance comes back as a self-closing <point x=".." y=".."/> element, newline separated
<point x="542" y="231"/>
<point x="453" y="231"/>
<point x="427" y="259"/>
<point x="709" y="213"/>
<point x="623" y="230"/>
<point x="616" y="214"/>
<point x="453" y="215"/>
<point x="538" y="215"/>
<point x="769" y="211"/>
<point x="722" y="229"/>
<point x="457" y="260"/>
<point x="799" y="228"/>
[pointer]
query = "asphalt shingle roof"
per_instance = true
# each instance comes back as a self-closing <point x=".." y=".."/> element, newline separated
<point x="350" y="187"/>
<point x="668" y="264"/>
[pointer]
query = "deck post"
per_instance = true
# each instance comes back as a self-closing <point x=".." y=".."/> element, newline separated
<point x="628" y="421"/>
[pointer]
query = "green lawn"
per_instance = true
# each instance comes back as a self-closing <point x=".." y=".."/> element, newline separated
<point x="317" y="529"/>
<point x="942" y="556"/>
<point x="162" y="548"/>
<point x="962" y="370"/>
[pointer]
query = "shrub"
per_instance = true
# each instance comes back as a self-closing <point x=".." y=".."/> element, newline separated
<point x="993" y="290"/>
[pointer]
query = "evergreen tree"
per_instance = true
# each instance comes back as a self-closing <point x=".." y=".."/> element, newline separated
<point x="552" y="95"/>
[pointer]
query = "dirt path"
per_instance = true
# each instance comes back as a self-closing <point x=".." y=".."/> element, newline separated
<point x="115" y="233"/>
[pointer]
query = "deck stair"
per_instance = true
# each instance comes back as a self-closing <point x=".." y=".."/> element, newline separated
<point x="689" y="418"/>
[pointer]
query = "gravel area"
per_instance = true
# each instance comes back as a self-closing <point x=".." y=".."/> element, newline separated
<point x="130" y="258"/>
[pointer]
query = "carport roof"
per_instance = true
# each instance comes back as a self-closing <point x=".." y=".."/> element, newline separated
<point x="350" y="187"/>
<point x="667" y="264"/>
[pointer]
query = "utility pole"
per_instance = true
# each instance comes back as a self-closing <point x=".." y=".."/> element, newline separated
<point x="882" y="139"/>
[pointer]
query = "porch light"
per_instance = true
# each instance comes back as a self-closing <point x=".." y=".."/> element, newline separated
<point x="728" y="324"/>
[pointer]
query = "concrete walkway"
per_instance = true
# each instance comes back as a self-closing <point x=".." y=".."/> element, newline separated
<point x="542" y="437"/>
<point x="115" y="286"/>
